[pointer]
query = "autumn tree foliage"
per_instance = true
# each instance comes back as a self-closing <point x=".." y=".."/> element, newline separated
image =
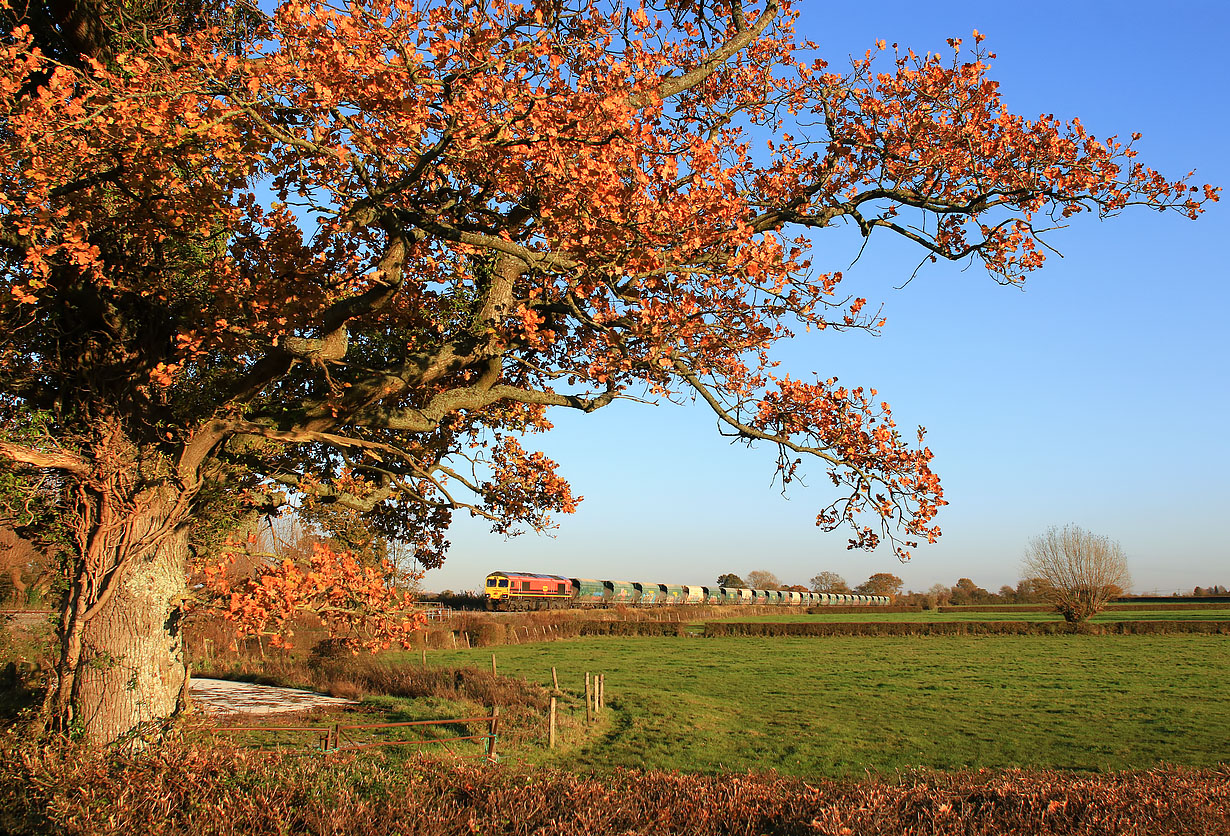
<point x="881" y="583"/>
<point x="321" y="564"/>
<point x="356" y="253"/>
<point x="358" y="602"/>
<point x="965" y="592"/>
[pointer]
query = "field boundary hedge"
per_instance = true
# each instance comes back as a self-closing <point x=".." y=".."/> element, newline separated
<point x="959" y="628"/>
<point x="1173" y="599"/>
<point x="633" y="628"/>
<point x="995" y="608"/>
<point x="821" y="608"/>
<point x="219" y="791"/>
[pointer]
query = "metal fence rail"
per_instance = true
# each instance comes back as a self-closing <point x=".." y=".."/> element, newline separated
<point x="317" y="731"/>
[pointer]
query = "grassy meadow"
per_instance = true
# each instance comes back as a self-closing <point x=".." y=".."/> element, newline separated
<point x="898" y="735"/>
<point x="843" y="706"/>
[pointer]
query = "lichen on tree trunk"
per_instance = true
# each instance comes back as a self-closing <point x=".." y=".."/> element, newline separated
<point x="122" y="670"/>
<point x="131" y="669"/>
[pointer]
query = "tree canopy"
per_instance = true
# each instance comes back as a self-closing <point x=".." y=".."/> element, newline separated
<point x="763" y="579"/>
<point x="829" y="582"/>
<point x="1076" y="570"/>
<point x="356" y="253"/>
<point x="881" y="583"/>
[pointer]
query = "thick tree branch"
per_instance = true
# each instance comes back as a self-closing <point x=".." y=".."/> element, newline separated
<point x="744" y="430"/>
<point x="48" y="460"/>
<point x="429" y="417"/>
<point x="363" y="504"/>
<point x="316" y="437"/>
<point x="670" y="85"/>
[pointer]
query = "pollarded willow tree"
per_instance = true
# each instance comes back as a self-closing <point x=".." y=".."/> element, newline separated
<point x="360" y="251"/>
<point x="1076" y="571"/>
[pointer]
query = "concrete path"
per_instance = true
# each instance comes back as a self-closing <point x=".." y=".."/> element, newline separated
<point x="221" y="696"/>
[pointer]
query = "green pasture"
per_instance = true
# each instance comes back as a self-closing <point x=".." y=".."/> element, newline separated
<point x="838" y="706"/>
<point x="929" y="616"/>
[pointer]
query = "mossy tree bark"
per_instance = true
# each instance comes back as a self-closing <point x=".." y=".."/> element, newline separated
<point x="122" y="669"/>
<point x="122" y="672"/>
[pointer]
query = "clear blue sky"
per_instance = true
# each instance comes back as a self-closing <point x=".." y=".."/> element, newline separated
<point x="1097" y="395"/>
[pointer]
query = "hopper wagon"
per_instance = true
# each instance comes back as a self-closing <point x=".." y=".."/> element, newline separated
<point x="535" y="591"/>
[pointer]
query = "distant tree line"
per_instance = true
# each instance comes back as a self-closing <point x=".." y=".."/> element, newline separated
<point x="962" y="593"/>
<point x="881" y="583"/>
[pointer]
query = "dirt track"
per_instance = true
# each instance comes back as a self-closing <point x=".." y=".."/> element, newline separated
<point x="220" y="696"/>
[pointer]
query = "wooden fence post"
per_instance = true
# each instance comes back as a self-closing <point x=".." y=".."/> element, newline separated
<point x="493" y="673"/>
<point x="551" y="725"/>
<point x="492" y="755"/>
<point x="424" y="651"/>
<point x="554" y="679"/>
<point x="589" y="701"/>
<point x="601" y="690"/>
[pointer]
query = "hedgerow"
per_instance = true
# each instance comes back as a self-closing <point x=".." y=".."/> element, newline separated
<point x="223" y="791"/>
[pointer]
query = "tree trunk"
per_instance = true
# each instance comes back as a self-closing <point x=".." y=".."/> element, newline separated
<point x="122" y="669"/>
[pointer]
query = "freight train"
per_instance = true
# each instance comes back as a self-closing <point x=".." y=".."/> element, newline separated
<point x="528" y="591"/>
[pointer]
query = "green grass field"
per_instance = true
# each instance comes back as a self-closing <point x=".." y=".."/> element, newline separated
<point x="840" y="706"/>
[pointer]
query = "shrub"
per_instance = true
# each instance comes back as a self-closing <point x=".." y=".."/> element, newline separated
<point x="329" y="649"/>
<point x="633" y="628"/>
<point x="1077" y="571"/>
<point x="221" y="791"/>
<point x="487" y="634"/>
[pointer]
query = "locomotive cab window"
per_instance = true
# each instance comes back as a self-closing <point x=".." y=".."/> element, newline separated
<point x="503" y="582"/>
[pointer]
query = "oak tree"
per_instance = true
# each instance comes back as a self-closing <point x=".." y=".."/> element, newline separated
<point x="881" y="583"/>
<point x="965" y="592"/>
<point x="829" y="582"/>
<point x="358" y="252"/>
<point x="938" y="595"/>
<point x="1028" y="591"/>
<point x="763" y="579"/>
